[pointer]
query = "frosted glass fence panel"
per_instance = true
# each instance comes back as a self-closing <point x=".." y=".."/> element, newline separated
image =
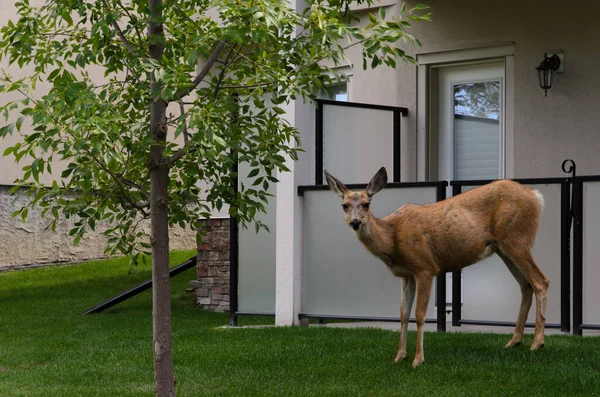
<point x="256" y="284"/>
<point x="591" y="252"/>
<point x="340" y="277"/>
<point x="357" y="142"/>
<point x="491" y="293"/>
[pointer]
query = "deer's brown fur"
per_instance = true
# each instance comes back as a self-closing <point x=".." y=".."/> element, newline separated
<point x="417" y="242"/>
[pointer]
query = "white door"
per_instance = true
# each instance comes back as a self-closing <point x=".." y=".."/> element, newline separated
<point x="470" y="130"/>
<point x="471" y="121"/>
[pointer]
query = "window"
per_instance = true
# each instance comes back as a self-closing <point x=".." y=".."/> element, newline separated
<point x="337" y="92"/>
<point x="477" y="130"/>
<point x="467" y="114"/>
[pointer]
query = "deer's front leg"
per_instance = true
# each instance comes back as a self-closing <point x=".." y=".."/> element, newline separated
<point x="406" y="302"/>
<point x="423" y="284"/>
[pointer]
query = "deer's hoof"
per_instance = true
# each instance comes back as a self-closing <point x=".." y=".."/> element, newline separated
<point x="418" y="361"/>
<point x="513" y="343"/>
<point x="536" y="345"/>
<point x="400" y="356"/>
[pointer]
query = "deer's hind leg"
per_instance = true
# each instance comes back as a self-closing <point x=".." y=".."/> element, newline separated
<point x="526" y="299"/>
<point x="523" y="260"/>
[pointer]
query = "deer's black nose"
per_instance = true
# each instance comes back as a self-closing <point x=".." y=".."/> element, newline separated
<point x="355" y="223"/>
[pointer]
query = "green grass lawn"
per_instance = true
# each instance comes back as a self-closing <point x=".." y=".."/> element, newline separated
<point x="47" y="348"/>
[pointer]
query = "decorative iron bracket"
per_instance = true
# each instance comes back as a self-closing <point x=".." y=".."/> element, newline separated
<point x="572" y="169"/>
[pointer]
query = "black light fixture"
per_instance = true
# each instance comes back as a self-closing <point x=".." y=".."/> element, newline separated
<point x="546" y="70"/>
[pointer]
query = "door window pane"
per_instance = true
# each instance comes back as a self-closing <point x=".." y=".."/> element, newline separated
<point x="477" y="108"/>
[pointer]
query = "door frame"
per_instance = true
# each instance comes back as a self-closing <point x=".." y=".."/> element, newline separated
<point x="427" y="117"/>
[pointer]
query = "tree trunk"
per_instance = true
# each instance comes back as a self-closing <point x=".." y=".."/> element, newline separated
<point x="164" y="382"/>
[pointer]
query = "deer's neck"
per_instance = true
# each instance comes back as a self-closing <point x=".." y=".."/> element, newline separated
<point x="378" y="237"/>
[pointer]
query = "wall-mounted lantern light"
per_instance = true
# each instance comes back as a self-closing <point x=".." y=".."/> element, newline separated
<point x="550" y="65"/>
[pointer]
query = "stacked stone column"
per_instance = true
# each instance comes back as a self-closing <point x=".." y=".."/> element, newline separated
<point x="212" y="286"/>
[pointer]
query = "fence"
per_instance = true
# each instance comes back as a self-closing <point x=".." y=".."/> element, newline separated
<point x="341" y="280"/>
<point x="586" y="251"/>
<point x="488" y="292"/>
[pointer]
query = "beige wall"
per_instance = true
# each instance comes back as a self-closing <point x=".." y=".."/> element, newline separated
<point x="566" y="124"/>
<point x="24" y="243"/>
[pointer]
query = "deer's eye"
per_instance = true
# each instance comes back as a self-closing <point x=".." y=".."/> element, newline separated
<point x="345" y="206"/>
<point x="366" y="206"/>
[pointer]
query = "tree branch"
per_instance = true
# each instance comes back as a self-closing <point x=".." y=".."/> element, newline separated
<point x="186" y="134"/>
<point x="122" y="37"/>
<point x="340" y="49"/>
<point x="131" y="18"/>
<point x="178" y="154"/>
<point x="222" y="74"/>
<point x="209" y="64"/>
<point x="186" y="146"/>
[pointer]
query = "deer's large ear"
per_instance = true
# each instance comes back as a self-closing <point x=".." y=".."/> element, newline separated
<point x="335" y="185"/>
<point x="377" y="183"/>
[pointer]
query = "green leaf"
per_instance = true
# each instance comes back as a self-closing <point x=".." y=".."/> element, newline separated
<point x="257" y="181"/>
<point x="24" y="214"/>
<point x="53" y="74"/>
<point x="66" y="16"/>
<point x="19" y="123"/>
<point x="67" y="172"/>
<point x="253" y="173"/>
<point x="8" y="151"/>
<point x="7" y="129"/>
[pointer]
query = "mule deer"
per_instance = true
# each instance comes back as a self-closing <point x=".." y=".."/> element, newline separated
<point x="417" y="242"/>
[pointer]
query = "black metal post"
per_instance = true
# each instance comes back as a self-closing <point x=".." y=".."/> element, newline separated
<point x="397" y="134"/>
<point x="577" y="257"/>
<point x="441" y="279"/>
<point x="456" y="281"/>
<point x="233" y="271"/>
<point x="319" y="144"/>
<point x="234" y="256"/>
<point x="565" y="257"/>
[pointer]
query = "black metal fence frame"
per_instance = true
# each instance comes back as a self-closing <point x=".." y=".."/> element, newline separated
<point x="440" y="280"/>
<point x="578" y="268"/>
<point x="565" y="263"/>
<point x="571" y="217"/>
<point x="572" y="204"/>
<point x="397" y="113"/>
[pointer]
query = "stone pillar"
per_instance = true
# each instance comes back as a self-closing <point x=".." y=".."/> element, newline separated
<point x="212" y="286"/>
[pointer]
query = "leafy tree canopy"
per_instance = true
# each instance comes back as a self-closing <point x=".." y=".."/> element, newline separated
<point x="228" y="65"/>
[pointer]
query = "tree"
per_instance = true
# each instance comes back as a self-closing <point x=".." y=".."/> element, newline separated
<point x="227" y="65"/>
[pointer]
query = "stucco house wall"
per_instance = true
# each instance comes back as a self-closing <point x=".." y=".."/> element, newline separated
<point x="30" y="243"/>
<point x="548" y="129"/>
